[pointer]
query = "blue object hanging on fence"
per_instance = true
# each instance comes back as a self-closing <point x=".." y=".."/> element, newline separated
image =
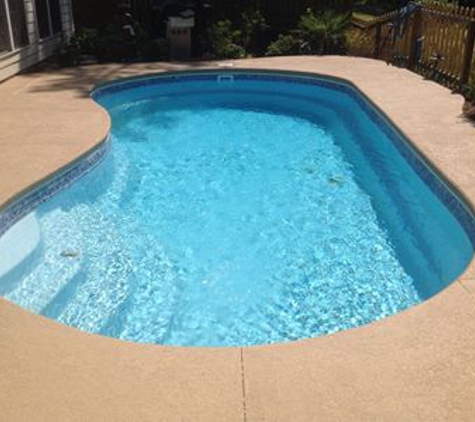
<point x="401" y="20"/>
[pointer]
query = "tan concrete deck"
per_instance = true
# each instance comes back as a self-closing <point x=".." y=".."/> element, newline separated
<point x="415" y="366"/>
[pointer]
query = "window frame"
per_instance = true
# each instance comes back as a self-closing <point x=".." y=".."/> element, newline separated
<point x="52" y="18"/>
<point x="10" y="30"/>
<point x="51" y="33"/>
<point x="13" y="48"/>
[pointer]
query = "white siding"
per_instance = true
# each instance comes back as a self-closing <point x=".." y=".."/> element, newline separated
<point x="67" y="17"/>
<point x="31" y="21"/>
<point x="38" y="50"/>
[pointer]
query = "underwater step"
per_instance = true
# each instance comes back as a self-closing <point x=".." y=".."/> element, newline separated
<point x="40" y="290"/>
<point x="19" y="247"/>
<point x="67" y="293"/>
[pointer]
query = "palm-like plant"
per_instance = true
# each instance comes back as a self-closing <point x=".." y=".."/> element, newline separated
<point x="323" y="33"/>
<point x="317" y="33"/>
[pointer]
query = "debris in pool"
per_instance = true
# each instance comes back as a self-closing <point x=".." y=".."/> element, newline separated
<point x="69" y="253"/>
<point x="335" y="181"/>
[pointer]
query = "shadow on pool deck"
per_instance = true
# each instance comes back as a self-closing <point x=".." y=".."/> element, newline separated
<point x="82" y="79"/>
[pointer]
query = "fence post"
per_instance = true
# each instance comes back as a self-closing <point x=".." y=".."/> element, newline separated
<point x="468" y="53"/>
<point x="377" y="41"/>
<point x="415" y="33"/>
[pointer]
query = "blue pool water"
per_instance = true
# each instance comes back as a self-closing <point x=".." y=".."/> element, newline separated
<point x="236" y="212"/>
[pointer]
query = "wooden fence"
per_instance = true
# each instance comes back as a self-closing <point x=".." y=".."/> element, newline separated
<point x="436" y="40"/>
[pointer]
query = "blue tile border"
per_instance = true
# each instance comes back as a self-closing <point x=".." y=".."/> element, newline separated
<point x="441" y="189"/>
<point x="19" y="208"/>
<point x="149" y="81"/>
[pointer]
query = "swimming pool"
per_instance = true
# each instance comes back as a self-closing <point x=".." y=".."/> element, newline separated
<point x="237" y="209"/>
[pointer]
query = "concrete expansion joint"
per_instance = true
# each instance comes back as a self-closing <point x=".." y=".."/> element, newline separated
<point x="464" y="286"/>
<point x="243" y="386"/>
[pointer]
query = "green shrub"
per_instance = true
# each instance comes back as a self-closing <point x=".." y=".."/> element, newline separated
<point x="285" y="45"/>
<point x="226" y="41"/>
<point x="87" y="40"/>
<point x="322" y="33"/>
<point x="231" y="51"/>
<point x="84" y="41"/>
<point x="230" y="42"/>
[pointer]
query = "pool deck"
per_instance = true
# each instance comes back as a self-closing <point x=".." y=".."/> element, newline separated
<point x="418" y="365"/>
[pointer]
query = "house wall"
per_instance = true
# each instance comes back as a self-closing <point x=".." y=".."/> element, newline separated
<point x="14" y="61"/>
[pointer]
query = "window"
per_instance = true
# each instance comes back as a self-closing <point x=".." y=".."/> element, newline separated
<point x="18" y="22"/>
<point x="55" y="16"/>
<point x="13" y="32"/>
<point x="42" y="16"/>
<point x="48" y="15"/>
<point x="5" y="44"/>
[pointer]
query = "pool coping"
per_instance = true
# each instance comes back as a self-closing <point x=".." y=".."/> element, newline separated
<point x="258" y="375"/>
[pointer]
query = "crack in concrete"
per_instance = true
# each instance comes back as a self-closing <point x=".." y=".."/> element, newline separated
<point x="243" y="386"/>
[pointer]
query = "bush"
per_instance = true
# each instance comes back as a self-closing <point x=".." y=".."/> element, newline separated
<point x="110" y="42"/>
<point x="323" y="33"/>
<point x="234" y="43"/>
<point x="285" y="45"/>
<point x="87" y="40"/>
<point x="226" y="41"/>
<point x="83" y="42"/>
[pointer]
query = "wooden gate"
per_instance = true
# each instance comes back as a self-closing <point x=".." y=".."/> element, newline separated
<point x="436" y="40"/>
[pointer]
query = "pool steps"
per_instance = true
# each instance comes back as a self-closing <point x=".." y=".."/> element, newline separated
<point x="66" y="293"/>
<point x="19" y="243"/>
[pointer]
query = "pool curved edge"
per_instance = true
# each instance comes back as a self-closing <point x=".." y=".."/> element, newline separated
<point x="447" y="193"/>
<point x="35" y="195"/>
<point x="393" y="359"/>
